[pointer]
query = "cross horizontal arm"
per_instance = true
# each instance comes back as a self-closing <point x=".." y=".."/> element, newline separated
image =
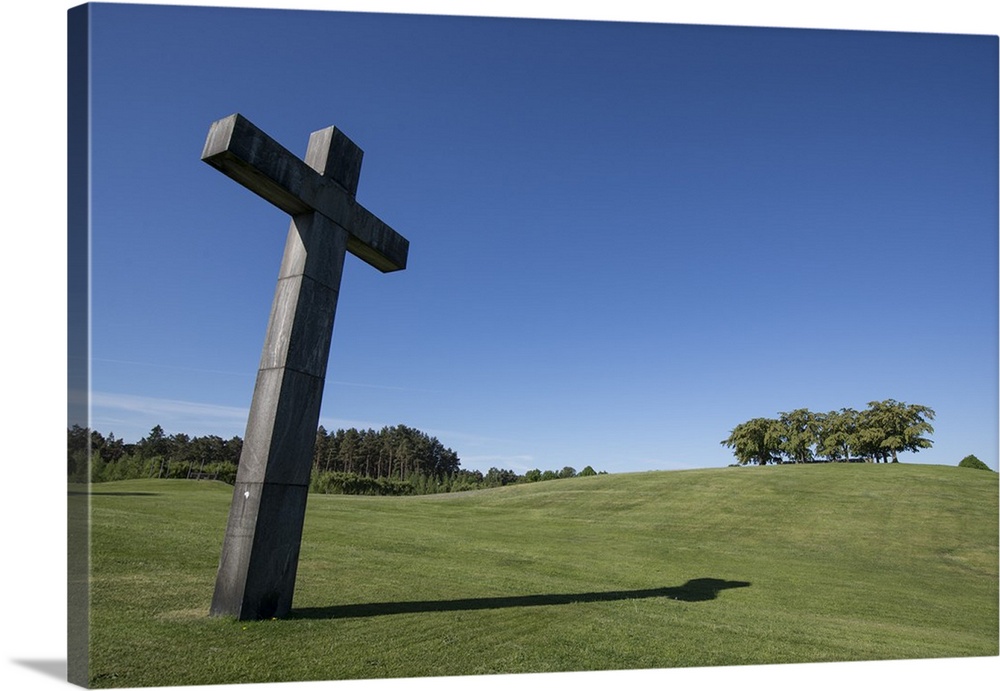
<point x="242" y="151"/>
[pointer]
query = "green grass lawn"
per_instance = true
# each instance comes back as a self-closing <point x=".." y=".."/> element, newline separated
<point x="725" y="566"/>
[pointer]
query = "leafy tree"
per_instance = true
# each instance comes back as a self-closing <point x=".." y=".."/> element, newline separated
<point x="78" y="452"/>
<point x="320" y="447"/>
<point x="900" y="427"/>
<point x="837" y="434"/>
<point x="499" y="477"/>
<point x="155" y="443"/>
<point x="799" y="431"/>
<point x="756" y="441"/>
<point x="232" y="449"/>
<point x="587" y="472"/>
<point x="369" y="451"/>
<point x="128" y="467"/>
<point x="971" y="461"/>
<point x="472" y="478"/>
<point x="113" y="448"/>
<point x="179" y="447"/>
<point x="204" y="451"/>
<point x="224" y="471"/>
<point x="869" y="436"/>
<point x="349" y="447"/>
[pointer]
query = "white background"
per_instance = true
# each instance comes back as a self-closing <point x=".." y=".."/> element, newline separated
<point x="32" y="341"/>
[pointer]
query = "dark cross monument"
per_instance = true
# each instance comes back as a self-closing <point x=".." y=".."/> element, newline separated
<point x="260" y="554"/>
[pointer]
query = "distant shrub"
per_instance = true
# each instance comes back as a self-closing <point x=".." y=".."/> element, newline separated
<point x="327" y="482"/>
<point x="971" y="461"/>
<point x="223" y="470"/>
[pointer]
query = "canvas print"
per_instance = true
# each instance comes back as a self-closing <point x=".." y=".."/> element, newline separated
<point x="415" y="346"/>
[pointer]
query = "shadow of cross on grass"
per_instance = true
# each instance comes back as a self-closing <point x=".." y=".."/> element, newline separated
<point x="695" y="590"/>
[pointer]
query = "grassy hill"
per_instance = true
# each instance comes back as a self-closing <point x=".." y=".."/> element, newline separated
<point x="685" y="568"/>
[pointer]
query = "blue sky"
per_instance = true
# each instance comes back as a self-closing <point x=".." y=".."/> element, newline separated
<point x="625" y="238"/>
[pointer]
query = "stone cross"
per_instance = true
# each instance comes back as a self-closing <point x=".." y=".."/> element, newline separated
<point x="256" y="575"/>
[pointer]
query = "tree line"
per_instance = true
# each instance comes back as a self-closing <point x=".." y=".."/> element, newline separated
<point x="877" y="434"/>
<point x="155" y="455"/>
<point x="396" y="460"/>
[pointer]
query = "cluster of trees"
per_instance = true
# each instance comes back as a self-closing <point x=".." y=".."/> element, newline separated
<point x="392" y="452"/>
<point x="876" y="434"/>
<point x="392" y="461"/>
<point x="337" y="482"/>
<point x="155" y="455"/>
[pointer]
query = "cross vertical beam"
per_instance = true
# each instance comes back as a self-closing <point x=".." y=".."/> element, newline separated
<point x="257" y="568"/>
